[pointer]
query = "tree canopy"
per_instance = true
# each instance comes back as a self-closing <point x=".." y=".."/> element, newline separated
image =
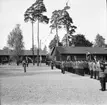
<point x="55" y="23"/>
<point x="6" y="48"/>
<point x="34" y="12"/>
<point x="53" y="42"/>
<point x="45" y="49"/>
<point x="15" y="41"/>
<point x="99" y="41"/>
<point x="61" y="18"/>
<point x="81" y="41"/>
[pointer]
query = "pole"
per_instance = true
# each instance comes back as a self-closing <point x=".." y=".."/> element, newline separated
<point x="33" y="43"/>
<point x="40" y="53"/>
<point x="38" y="43"/>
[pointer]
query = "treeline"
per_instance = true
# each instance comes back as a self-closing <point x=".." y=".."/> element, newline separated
<point x="79" y="40"/>
<point x="60" y="19"/>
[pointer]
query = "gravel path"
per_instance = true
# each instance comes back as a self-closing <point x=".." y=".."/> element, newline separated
<point x="43" y="86"/>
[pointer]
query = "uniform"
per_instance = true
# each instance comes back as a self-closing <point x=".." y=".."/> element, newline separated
<point x="52" y="64"/>
<point x="102" y="77"/>
<point x="91" y="69"/>
<point x="76" y="67"/>
<point x="97" y="69"/>
<point x="24" y="65"/>
<point x="62" y="67"/>
<point x="27" y="62"/>
<point x="94" y="70"/>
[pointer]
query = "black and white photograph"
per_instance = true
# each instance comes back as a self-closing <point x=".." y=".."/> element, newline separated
<point x="53" y="52"/>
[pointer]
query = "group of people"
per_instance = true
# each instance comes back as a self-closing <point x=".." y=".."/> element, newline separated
<point x="98" y="71"/>
<point x="75" y="66"/>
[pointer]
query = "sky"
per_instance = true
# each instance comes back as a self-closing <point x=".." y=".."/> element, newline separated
<point x="88" y="15"/>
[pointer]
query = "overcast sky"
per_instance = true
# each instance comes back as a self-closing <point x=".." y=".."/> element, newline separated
<point x="88" y="15"/>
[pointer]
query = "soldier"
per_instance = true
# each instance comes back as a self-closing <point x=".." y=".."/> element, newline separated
<point x="102" y="76"/>
<point x="27" y="61"/>
<point x="91" y="69"/>
<point x="94" y="69"/>
<point x="76" y="67"/>
<point x="52" y="64"/>
<point x="62" y="67"/>
<point x="85" y="67"/>
<point x="97" y="69"/>
<point x="24" y="64"/>
<point x="73" y="65"/>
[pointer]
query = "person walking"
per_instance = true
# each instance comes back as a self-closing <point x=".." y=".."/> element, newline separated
<point x="24" y="64"/>
<point x="27" y="62"/>
<point x="52" y="65"/>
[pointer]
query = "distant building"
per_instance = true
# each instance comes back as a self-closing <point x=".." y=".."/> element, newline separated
<point x="78" y="53"/>
<point x="5" y="55"/>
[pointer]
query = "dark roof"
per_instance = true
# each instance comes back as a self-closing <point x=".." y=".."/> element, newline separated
<point x="80" y="50"/>
<point x="26" y="52"/>
<point x="29" y="52"/>
<point x="3" y="52"/>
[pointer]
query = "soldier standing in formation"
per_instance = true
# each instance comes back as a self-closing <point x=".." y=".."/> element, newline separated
<point x="90" y="68"/>
<point x="97" y="69"/>
<point x="94" y="69"/>
<point x="62" y="67"/>
<point x="102" y="76"/>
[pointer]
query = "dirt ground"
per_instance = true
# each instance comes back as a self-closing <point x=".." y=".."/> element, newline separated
<point x="43" y="86"/>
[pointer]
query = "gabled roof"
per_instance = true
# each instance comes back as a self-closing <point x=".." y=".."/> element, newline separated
<point x="80" y="50"/>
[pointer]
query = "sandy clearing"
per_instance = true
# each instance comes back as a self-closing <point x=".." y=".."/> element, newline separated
<point x="48" y="87"/>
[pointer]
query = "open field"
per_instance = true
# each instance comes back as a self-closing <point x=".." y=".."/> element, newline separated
<point x="41" y="85"/>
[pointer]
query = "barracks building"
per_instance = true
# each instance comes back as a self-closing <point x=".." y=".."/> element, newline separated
<point x="60" y="53"/>
<point x="5" y="55"/>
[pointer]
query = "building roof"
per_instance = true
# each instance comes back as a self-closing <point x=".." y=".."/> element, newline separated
<point x="4" y="52"/>
<point x="26" y="52"/>
<point x="80" y="50"/>
<point x="29" y="52"/>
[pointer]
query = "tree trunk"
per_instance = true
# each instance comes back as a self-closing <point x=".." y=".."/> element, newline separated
<point x="67" y="41"/>
<point x="33" y="44"/>
<point x="38" y="43"/>
<point x="57" y="35"/>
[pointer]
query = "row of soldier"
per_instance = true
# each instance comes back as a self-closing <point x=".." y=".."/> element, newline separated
<point x="96" y="68"/>
<point x="75" y="66"/>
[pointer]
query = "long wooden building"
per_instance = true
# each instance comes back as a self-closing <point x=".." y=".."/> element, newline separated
<point x="5" y="55"/>
<point x="79" y="53"/>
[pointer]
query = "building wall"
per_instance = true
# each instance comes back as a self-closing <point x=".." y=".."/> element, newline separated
<point x="74" y="57"/>
<point x="5" y="58"/>
<point x="57" y="56"/>
<point x="79" y="57"/>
